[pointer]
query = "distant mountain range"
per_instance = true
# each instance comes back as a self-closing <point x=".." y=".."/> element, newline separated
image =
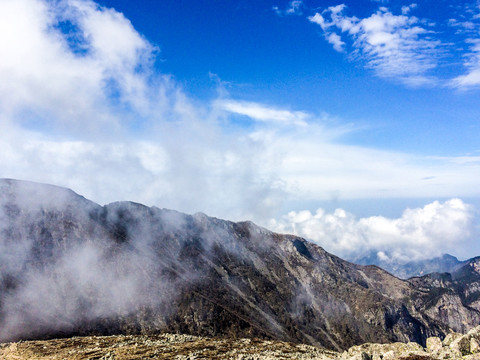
<point x="404" y="270"/>
<point x="71" y="267"/>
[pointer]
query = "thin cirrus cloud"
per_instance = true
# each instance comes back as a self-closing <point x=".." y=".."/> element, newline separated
<point x="472" y="77"/>
<point x="394" y="46"/>
<point x="317" y="166"/>
<point x="264" y="113"/>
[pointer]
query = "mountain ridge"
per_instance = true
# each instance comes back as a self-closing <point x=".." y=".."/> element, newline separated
<point x="404" y="270"/>
<point x="73" y="267"/>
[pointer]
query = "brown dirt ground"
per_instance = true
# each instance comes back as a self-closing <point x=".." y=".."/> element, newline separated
<point x="165" y="346"/>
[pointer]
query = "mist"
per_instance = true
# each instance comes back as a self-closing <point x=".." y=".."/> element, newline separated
<point x="69" y="264"/>
<point x="72" y="267"/>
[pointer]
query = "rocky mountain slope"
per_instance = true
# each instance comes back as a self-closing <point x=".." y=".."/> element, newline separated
<point x="183" y="347"/>
<point x="71" y="267"/>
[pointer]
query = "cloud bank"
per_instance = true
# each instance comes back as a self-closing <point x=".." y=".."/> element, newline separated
<point x="420" y="233"/>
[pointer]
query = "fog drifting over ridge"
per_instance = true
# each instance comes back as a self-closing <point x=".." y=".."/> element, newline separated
<point x="64" y="270"/>
<point x="84" y="106"/>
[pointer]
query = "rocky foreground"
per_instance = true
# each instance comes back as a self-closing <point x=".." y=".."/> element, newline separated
<point x="174" y="346"/>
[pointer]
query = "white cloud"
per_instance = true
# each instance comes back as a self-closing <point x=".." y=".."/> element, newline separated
<point x="469" y="27"/>
<point x="407" y="8"/>
<point x="319" y="20"/>
<point x="472" y="78"/>
<point x="395" y="46"/>
<point x="260" y="112"/>
<point x="336" y="41"/>
<point x="44" y="78"/>
<point x="92" y="115"/>
<point x="315" y="165"/>
<point x="188" y="170"/>
<point x="294" y="8"/>
<point x="420" y="233"/>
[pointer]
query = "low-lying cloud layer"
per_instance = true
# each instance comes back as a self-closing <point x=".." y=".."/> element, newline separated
<point x="419" y="234"/>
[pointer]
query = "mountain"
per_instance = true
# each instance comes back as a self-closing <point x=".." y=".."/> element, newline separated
<point x="404" y="270"/>
<point x="451" y="292"/>
<point x="71" y="267"/>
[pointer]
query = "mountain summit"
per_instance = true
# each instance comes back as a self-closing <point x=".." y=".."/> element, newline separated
<point x="72" y="267"/>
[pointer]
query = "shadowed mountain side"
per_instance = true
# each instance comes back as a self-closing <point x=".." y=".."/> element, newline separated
<point x="71" y="267"/>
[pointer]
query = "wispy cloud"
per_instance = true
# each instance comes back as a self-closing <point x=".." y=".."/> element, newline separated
<point x="420" y="233"/>
<point x="264" y="113"/>
<point x="318" y="166"/>
<point x="403" y="47"/>
<point x="406" y="8"/>
<point x="336" y="41"/>
<point x="294" y="8"/>
<point x="395" y="46"/>
<point x="469" y="26"/>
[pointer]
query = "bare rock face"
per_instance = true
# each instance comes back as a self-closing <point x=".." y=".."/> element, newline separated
<point x="456" y="346"/>
<point x="450" y="338"/>
<point x="384" y="351"/>
<point x="434" y="344"/>
<point x="452" y="297"/>
<point x="72" y="267"/>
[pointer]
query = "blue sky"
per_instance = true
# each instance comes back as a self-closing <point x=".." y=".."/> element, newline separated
<point x="352" y="123"/>
<point x="286" y="60"/>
